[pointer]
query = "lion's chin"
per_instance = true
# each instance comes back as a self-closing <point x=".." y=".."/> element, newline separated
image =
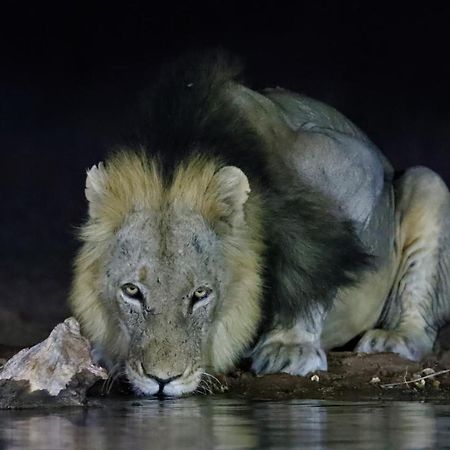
<point x="145" y="386"/>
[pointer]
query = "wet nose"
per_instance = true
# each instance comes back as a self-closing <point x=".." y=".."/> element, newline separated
<point x="163" y="381"/>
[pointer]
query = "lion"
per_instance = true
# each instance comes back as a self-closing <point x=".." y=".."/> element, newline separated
<point x="254" y="223"/>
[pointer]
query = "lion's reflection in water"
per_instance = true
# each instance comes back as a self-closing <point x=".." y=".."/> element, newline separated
<point x="222" y="423"/>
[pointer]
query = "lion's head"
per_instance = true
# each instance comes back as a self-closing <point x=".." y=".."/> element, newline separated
<point x="167" y="283"/>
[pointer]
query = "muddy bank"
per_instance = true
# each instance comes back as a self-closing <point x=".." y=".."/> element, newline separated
<point x="351" y="376"/>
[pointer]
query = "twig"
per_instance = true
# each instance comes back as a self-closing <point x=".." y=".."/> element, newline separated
<point x="415" y="380"/>
<point x="405" y="381"/>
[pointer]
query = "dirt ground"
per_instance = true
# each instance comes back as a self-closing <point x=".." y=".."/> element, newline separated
<point x="352" y="376"/>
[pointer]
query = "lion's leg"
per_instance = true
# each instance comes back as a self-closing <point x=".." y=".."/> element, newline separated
<point x="420" y="299"/>
<point x="293" y="349"/>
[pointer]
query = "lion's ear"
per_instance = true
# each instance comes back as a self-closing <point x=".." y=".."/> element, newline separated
<point x="230" y="189"/>
<point x="96" y="178"/>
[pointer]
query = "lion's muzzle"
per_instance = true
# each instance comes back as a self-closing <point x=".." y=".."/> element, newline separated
<point x="171" y="386"/>
<point x="163" y="381"/>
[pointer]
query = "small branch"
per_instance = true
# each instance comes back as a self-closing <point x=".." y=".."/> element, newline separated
<point x="431" y="375"/>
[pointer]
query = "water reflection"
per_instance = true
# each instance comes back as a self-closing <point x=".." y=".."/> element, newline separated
<point x="221" y="423"/>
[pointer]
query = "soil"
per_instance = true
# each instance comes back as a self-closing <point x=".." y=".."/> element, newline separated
<point x="351" y="376"/>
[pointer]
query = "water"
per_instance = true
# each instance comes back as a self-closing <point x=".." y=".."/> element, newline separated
<point x="224" y="423"/>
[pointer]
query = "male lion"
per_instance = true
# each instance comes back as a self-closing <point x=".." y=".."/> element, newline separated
<point x="268" y="222"/>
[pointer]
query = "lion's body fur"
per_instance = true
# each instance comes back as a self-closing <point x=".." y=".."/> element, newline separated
<point x="292" y="246"/>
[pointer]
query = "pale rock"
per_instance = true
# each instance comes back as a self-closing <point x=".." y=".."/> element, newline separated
<point x="60" y="366"/>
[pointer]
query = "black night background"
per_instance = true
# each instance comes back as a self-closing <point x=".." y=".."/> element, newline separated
<point x="71" y="75"/>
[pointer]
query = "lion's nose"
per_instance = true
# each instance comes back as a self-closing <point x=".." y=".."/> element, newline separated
<point x="163" y="381"/>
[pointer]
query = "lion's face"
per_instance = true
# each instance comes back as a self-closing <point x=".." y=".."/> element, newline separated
<point x="163" y="281"/>
<point x="167" y="284"/>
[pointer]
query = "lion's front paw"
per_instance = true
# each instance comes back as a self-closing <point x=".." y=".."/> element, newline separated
<point x="413" y="348"/>
<point x="294" y="359"/>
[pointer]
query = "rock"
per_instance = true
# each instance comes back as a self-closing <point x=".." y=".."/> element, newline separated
<point x="55" y="372"/>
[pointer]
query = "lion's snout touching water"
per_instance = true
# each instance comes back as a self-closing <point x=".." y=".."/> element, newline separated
<point x="165" y="271"/>
<point x="174" y="386"/>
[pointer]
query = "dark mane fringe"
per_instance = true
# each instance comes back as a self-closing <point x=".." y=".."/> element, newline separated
<point x="312" y="252"/>
<point x="189" y="110"/>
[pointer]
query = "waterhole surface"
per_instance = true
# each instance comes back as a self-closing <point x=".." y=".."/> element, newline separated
<point x="218" y="422"/>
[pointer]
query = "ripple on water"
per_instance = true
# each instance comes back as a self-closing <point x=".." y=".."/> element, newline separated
<point x="225" y="423"/>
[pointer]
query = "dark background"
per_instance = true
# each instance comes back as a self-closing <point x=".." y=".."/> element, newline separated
<point x="71" y="73"/>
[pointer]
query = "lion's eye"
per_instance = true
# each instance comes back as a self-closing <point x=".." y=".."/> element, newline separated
<point x="132" y="291"/>
<point x="200" y="293"/>
<point x="199" y="298"/>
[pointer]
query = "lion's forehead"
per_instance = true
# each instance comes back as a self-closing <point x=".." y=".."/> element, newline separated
<point x="174" y="242"/>
<point x="170" y="232"/>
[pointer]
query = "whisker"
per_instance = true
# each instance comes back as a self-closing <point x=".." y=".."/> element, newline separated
<point x="212" y="376"/>
<point x="115" y="372"/>
<point x="206" y="389"/>
<point x="212" y="382"/>
<point x="207" y="385"/>
<point x="200" y="390"/>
